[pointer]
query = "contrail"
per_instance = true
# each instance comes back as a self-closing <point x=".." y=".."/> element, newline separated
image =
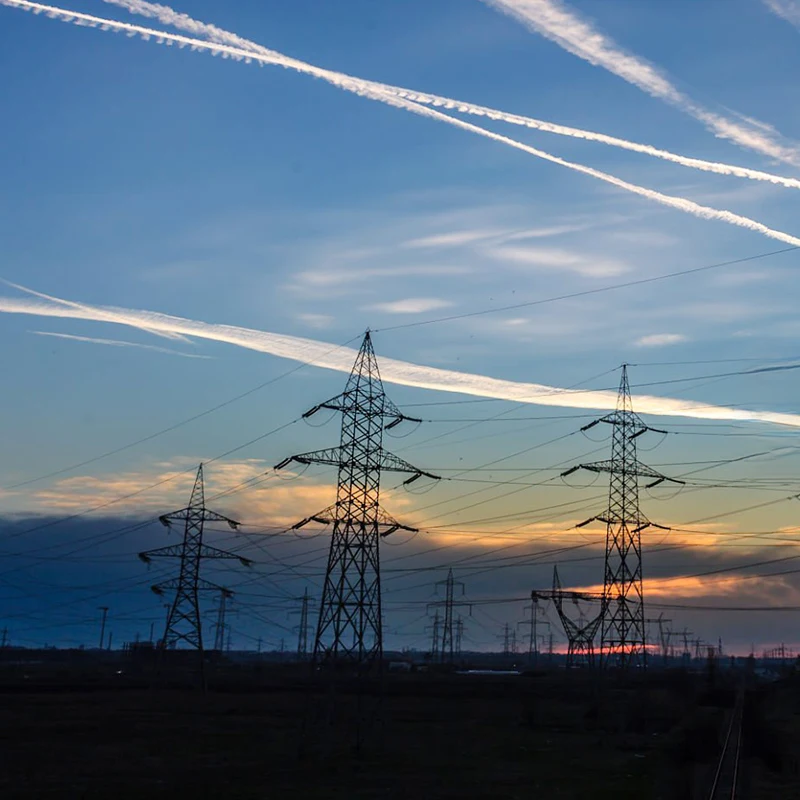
<point x="404" y="373"/>
<point x="376" y="90"/>
<point x="679" y="203"/>
<point x="169" y="16"/>
<point x="555" y="21"/>
<point x="118" y="343"/>
<point x="786" y="9"/>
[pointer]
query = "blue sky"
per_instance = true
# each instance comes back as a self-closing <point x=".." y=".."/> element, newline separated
<point x="145" y="177"/>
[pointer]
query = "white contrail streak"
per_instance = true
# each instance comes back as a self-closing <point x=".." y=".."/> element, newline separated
<point x="404" y="373"/>
<point x="786" y="9"/>
<point x="679" y="203"/>
<point x="118" y="343"/>
<point x="169" y="16"/>
<point x="555" y="21"/>
<point x="373" y="89"/>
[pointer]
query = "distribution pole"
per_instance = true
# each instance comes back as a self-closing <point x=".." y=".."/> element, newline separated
<point x="104" y="609"/>
<point x="623" y="636"/>
<point x="183" y="618"/>
<point x="349" y="627"/>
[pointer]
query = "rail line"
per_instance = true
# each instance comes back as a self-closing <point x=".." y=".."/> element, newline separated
<point x="727" y="775"/>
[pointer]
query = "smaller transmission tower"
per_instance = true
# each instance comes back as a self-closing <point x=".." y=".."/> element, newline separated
<point x="302" y="628"/>
<point x="434" y="636"/>
<point x="580" y="635"/>
<point x="459" y="635"/>
<point x="220" y="626"/>
<point x="445" y="647"/>
<point x="532" y="623"/>
<point x="183" y="619"/>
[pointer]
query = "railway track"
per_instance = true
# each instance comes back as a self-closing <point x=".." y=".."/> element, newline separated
<point x="727" y="777"/>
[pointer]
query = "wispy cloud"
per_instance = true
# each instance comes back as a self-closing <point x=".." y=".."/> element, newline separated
<point x="554" y="20"/>
<point x="411" y="305"/>
<point x="213" y="33"/>
<point x="362" y="88"/>
<point x="553" y="258"/>
<point x="118" y="343"/>
<point x="404" y="373"/>
<point x="660" y="339"/>
<point x="316" y="320"/>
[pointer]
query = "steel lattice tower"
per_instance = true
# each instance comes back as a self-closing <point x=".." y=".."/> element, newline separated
<point x="444" y="643"/>
<point x="623" y="637"/>
<point x="183" y="619"/>
<point x="349" y="628"/>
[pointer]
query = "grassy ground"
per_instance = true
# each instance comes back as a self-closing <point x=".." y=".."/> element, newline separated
<point x="552" y="736"/>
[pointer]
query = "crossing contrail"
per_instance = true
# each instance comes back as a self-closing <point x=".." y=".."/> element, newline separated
<point x="678" y="203"/>
<point x="555" y="21"/>
<point x="118" y="343"/>
<point x="404" y="373"/>
<point x="169" y="16"/>
<point x="363" y="87"/>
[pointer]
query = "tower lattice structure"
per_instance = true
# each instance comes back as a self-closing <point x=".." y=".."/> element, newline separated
<point x="444" y="646"/>
<point x="349" y="627"/>
<point x="183" y="618"/>
<point x="624" y="635"/>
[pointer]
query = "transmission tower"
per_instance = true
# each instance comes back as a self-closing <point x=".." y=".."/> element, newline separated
<point x="219" y="627"/>
<point x="623" y="638"/>
<point x="302" y="628"/>
<point x="445" y="646"/>
<point x="533" y="636"/>
<point x="183" y="618"/>
<point x="459" y="635"/>
<point x="349" y="628"/>
<point x="580" y="635"/>
<point x="434" y="629"/>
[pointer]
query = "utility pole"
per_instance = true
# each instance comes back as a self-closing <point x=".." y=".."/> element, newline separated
<point x="623" y="640"/>
<point x="219" y="627"/>
<point x="183" y="618"/>
<point x="104" y="609"/>
<point x="349" y="628"/>
<point x="506" y="641"/>
<point x="445" y="647"/>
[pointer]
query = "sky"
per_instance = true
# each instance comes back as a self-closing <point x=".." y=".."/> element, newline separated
<point x="209" y="238"/>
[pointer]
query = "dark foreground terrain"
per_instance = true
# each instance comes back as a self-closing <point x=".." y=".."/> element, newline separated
<point x="275" y="733"/>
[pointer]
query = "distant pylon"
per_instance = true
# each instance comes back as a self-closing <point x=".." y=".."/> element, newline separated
<point x="183" y="619"/>
<point x="459" y="637"/>
<point x="349" y="628"/>
<point x="624" y="636"/>
<point x="444" y="648"/>
<point x="219" y="627"/>
<point x="302" y="628"/>
<point x="533" y="636"/>
<point x="435" y="636"/>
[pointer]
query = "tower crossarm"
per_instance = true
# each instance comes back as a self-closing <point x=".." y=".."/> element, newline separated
<point x="202" y="586"/>
<point x="194" y="515"/>
<point x="612" y="468"/>
<point x="347" y="402"/>
<point x="393" y="463"/>
<point x="207" y="551"/>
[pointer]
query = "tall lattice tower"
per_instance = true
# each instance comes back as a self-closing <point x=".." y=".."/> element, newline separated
<point x="183" y="618"/>
<point x="623" y="636"/>
<point x="349" y="627"/>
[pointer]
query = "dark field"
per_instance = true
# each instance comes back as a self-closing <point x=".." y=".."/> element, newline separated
<point x="275" y="734"/>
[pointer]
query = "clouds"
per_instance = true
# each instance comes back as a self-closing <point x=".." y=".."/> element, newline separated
<point x="660" y="339"/>
<point x="412" y="305"/>
<point x="118" y="343"/>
